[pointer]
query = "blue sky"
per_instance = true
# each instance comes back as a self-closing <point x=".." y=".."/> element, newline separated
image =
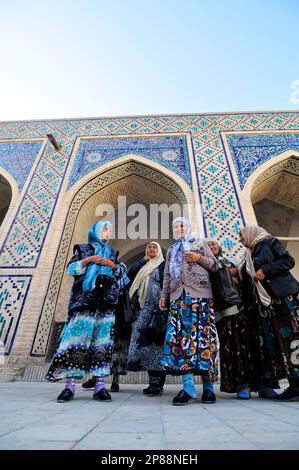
<point x="73" y="58"/>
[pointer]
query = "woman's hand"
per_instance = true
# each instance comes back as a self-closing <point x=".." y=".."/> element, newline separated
<point x="233" y="271"/>
<point x="98" y="260"/>
<point x="91" y="259"/>
<point x="260" y="275"/>
<point x="108" y="262"/>
<point x="163" y="304"/>
<point x="192" y="257"/>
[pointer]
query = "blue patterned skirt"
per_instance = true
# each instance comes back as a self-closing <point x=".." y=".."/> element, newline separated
<point x="85" y="347"/>
<point x="191" y="341"/>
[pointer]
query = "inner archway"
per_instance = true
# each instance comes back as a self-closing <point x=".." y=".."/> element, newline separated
<point x="5" y="197"/>
<point x="140" y="183"/>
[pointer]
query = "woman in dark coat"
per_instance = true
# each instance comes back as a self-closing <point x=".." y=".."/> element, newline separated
<point x="144" y="352"/>
<point x="236" y="366"/>
<point x="87" y="339"/>
<point x="270" y="298"/>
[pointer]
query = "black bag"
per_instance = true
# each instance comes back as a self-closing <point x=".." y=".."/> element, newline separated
<point x="156" y="327"/>
<point x="225" y="293"/>
<point x="124" y="316"/>
<point x="107" y="290"/>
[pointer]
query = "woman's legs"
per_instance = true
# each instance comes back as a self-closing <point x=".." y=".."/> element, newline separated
<point x="101" y="352"/>
<point x="115" y="382"/>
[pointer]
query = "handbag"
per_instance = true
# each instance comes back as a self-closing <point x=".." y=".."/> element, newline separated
<point x="156" y="327"/>
<point x="225" y="292"/>
<point x="108" y="290"/>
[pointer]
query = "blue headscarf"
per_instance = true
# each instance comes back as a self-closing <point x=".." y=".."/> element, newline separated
<point x="181" y="245"/>
<point x="103" y="250"/>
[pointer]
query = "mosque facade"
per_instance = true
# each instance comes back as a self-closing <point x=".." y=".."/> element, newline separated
<point x="227" y="169"/>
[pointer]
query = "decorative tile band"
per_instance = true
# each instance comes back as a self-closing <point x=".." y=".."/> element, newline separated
<point x="13" y="292"/>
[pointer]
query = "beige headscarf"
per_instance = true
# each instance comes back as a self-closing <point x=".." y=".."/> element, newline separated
<point x="140" y="283"/>
<point x="252" y="235"/>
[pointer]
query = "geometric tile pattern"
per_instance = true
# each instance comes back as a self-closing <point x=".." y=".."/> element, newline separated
<point x="13" y="292"/>
<point x="18" y="158"/>
<point x="251" y="151"/>
<point x="123" y="170"/>
<point x="171" y="152"/>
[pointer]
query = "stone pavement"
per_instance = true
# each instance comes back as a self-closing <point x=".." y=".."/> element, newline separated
<point x="30" y="418"/>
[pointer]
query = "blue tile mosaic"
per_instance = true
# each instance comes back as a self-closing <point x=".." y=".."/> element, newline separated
<point x="171" y="152"/>
<point x="249" y="152"/>
<point x="17" y="158"/>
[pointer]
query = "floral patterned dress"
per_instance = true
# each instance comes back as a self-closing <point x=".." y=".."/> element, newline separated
<point x="191" y="343"/>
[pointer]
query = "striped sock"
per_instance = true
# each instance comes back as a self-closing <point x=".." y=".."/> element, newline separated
<point x="100" y="384"/>
<point x="70" y="384"/>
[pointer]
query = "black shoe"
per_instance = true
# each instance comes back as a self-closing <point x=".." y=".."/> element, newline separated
<point x="153" y="390"/>
<point x="208" y="397"/>
<point x="182" y="398"/>
<point x="65" y="396"/>
<point x="90" y="383"/>
<point x="114" y="387"/>
<point x="102" y="395"/>
<point x="289" y="394"/>
<point x="146" y="390"/>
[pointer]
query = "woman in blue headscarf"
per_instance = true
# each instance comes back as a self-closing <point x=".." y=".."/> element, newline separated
<point x="86" y="342"/>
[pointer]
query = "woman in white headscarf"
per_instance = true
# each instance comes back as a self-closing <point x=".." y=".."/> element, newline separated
<point x="145" y="351"/>
<point x="190" y="344"/>
<point x="270" y="299"/>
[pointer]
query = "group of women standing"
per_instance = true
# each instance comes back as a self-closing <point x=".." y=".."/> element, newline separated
<point x="116" y="317"/>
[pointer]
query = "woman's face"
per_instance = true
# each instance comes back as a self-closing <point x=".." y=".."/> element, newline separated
<point x="214" y="248"/>
<point x="242" y="239"/>
<point x="180" y="230"/>
<point x="152" y="250"/>
<point x="106" y="233"/>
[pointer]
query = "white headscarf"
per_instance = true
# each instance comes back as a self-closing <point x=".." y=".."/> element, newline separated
<point x="252" y="235"/>
<point x="140" y="283"/>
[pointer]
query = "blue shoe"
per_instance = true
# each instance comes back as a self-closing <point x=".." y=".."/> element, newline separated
<point x="244" y="394"/>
